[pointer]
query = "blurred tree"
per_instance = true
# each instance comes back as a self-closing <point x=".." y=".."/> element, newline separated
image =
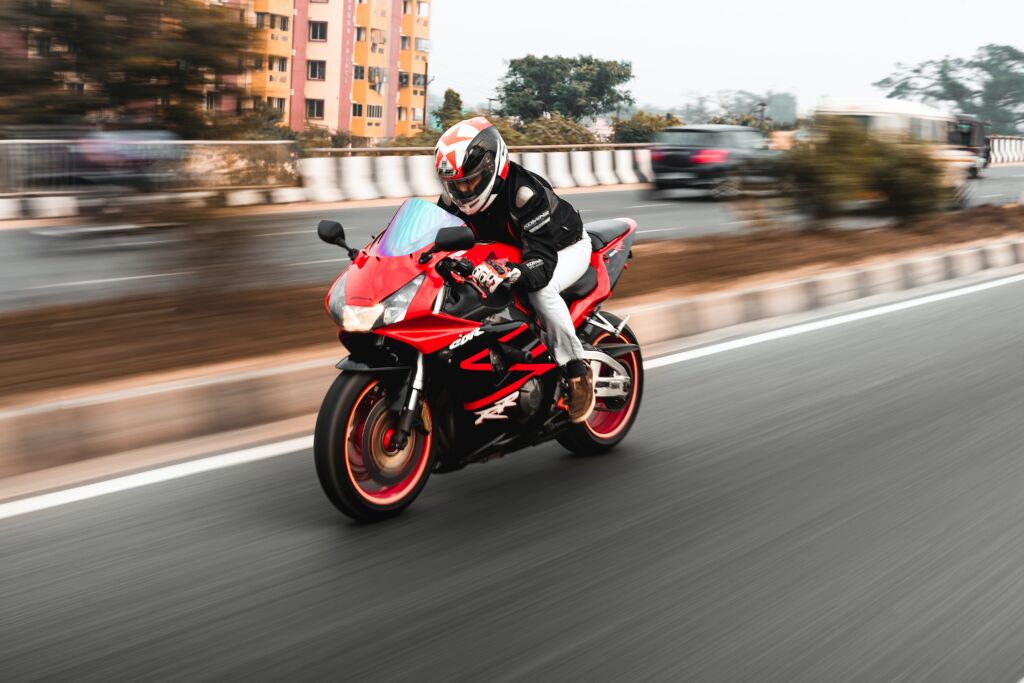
<point x="990" y="85"/>
<point x="149" y="61"/>
<point x="642" y="127"/>
<point x="450" y="112"/>
<point x="698" y="110"/>
<point x="571" y="86"/>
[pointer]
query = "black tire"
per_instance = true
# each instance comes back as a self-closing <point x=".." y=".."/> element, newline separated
<point x="584" y="439"/>
<point x="335" y="469"/>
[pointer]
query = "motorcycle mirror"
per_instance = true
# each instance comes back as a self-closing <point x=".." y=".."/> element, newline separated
<point x="331" y="232"/>
<point x="452" y="238"/>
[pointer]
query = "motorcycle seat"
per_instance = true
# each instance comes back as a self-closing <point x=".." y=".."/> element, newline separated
<point x="582" y="287"/>
<point x="603" y="232"/>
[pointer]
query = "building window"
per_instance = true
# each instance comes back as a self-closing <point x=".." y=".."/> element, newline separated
<point x="407" y="7"/>
<point x="261" y="19"/>
<point x="403" y="79"/>
<point x="403" y="113"/>
<point x="280" y="104"/>
<point x="316" y="70"/>
<point x="318" y="30"/>
<point x="377" y="36"/>
<point x="422" y="45"/>
<point x="360" y="34"/>
<point x="273" y="21"/>
<point x="424" y="9"/>
<point x="257" y="62"/>
<point x="419" y="79"/>
<point x="374" y="111"/>
<point x="282" y="64"/>
<point x="284" y="23"/>
<point x="271" y="62"/>
<point x="357" y="109"/>
<point x="211" y="101"/>
<point x="359" y="72"/>
<point x="417" y="114"/>
<point x="314" y="109"/>
<point x="405" y="42"/>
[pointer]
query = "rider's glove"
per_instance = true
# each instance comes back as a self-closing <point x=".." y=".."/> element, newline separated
<point x="489" y="275"/>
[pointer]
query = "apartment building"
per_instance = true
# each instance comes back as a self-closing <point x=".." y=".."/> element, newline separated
<point x="360" y="66"/>
<point x="268" y="78"/>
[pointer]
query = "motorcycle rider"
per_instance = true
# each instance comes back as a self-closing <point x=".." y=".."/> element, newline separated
<point x="503" y="202"/>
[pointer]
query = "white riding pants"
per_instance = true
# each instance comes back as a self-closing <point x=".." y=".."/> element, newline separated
<point x="552" y="310"/>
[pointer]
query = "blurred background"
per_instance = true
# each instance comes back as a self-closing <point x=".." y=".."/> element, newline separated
<point x="164" y="164"/>
<point x="166" y="156"/>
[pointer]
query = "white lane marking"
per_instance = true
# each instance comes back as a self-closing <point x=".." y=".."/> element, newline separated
<point x="313" y="263"/>
<point x="816" y="325"/>
<point x="646" y="206"/>
<point x="185" y="469"/>
<point x="131" y="481"/>
<point x="83" y="283"/>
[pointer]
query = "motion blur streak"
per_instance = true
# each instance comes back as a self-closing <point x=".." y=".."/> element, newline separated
<point x="131" y="481"/>
<point x="829" y="322"/>
<point x="185" y="469"/>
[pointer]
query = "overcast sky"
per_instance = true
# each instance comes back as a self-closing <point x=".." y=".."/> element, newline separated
<point x="812" y="48"/>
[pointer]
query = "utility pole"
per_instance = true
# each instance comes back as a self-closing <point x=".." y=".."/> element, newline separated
<point x="426" y="84"/>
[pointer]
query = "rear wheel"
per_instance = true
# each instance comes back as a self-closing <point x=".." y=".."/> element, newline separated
<point x="358" y="467"/>
<point x="612" y="418"/>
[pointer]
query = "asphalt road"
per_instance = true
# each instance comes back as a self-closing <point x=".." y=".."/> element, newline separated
<point x="49" y="267"/>
<point x="843" y="504"/>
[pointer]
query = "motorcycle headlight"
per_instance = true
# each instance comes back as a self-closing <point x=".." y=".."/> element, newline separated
<point x="366" y="318"/>
<point x="360" y="318"/>
<point x="397" y="305"/>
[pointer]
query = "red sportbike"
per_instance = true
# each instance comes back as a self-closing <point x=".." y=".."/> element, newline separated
<point x="441" y="374"/>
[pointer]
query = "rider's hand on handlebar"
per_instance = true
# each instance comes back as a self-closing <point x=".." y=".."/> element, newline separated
<point x="489" y="275"/>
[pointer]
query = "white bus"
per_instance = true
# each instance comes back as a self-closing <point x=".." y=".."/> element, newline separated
<point x="900" y="120"/>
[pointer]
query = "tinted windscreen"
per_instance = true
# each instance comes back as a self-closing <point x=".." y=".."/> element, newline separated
<point x="414" y="226"/>
<point x="687" y="138"/>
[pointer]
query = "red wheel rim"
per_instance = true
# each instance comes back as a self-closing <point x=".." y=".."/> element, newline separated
<point x="378" y="473"/>
<point x="608" y="423"/>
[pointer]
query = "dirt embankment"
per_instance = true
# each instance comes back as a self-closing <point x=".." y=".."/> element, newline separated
<point x="62" y="347"/>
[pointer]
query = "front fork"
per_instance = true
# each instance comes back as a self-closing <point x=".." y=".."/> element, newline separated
<point x="411" y="407"/>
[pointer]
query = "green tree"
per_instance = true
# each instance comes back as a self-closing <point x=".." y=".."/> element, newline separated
<point x="145" y="60"/>
<point x="990" y="85"/>
<point x="642" y="127"/>
<point x="574" y="87"/>
<point x="450" y="112"/>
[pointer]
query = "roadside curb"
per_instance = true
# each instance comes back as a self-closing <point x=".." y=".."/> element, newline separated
<point x="50" y="434"/>
<point x="695" y="315"/>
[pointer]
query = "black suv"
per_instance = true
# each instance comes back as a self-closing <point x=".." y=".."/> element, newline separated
<point x="721" y="159"/>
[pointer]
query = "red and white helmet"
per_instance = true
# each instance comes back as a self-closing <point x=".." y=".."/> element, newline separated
<point x="471" y="160"/>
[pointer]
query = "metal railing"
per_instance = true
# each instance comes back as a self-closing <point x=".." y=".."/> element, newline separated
<point x="91" y="164"/>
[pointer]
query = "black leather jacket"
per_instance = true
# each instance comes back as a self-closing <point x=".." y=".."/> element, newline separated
<point x="526" y="213"/>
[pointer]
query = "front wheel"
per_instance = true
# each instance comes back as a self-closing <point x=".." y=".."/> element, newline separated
<point x="612" y="418"/>
<point x="359" y="470"/>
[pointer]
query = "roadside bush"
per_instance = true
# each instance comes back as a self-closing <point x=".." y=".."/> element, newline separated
<point x="909" y="181"/>
<point x="843" y="165"/>
<point x="642" y="127"/>
<point x="556" y="130"/>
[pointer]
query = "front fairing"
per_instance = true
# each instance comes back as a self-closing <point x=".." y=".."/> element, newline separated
<point x="391" y="262"/>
